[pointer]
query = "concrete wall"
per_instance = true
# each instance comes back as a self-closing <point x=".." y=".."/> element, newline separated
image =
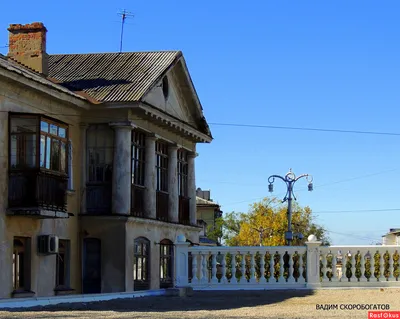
<point x="16" y="98"/>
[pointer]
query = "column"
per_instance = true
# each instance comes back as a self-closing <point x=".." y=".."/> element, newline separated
<point x="173" y="203"/>
<point x="150" y="180"/>
<point x="83" y="174"/>
<point x="192" y="188"/>
<point x="121" y="180"/>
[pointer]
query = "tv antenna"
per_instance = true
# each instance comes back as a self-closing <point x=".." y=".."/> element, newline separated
<point x="124" y="15"/>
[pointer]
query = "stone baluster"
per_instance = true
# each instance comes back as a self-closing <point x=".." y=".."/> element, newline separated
<point x="214" y="279"/>
<point x="253" y="279"/>
<point x="291" y="279"/>
<point x="334" y="267"/>
<point x="204" y="268"/>
<point x="224" y="280"/>
<point x="324" y="260"/>
<point x="344" y="261"/>
<point x="195" y="280"/>
<point x="301" y="278"/>
<point x="233" y="269"/>
<point x="353" y="260"/>
<point x="243" y="269"/>
<point x="262" y="279"/>
<point x="362" y="265"/>
<point x="200" y="270"/>
<point x="281" y="268"/>
<point x="272" y="278"/>
<point x="382" y="266"/>
<point x="391" y="266"/>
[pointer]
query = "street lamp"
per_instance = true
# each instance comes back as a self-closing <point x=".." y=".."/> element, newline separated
<point x="290" y="179"/>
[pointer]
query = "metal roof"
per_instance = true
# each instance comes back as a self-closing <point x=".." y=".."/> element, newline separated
<point x="23" y="70"/>
<point x="111" y="77"/>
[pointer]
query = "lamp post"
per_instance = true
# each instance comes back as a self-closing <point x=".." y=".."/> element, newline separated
<point x="290" y="179"/>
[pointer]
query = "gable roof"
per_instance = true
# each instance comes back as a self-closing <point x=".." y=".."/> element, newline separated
<point x="111" y="77"/>
<point x="15" y="67"/>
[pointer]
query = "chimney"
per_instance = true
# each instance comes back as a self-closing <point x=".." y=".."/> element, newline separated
<point x="27" y="45"/>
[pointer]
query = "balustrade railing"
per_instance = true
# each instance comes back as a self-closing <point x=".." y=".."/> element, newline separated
<point x="310" y="266"/>
<point x="30" y="189"/>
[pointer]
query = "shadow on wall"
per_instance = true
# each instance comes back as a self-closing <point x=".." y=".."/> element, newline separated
<point x="201" y="300"/>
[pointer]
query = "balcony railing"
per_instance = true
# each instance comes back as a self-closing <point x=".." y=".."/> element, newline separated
<point x="184" y="215"/>
<point x="162" y="206"/>
<point x="98" y="198"/>
<point x="137" y="201"/>
<point x="37" y="189"/>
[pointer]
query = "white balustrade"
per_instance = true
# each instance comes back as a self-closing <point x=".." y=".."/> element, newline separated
<point x="258" y="261"/>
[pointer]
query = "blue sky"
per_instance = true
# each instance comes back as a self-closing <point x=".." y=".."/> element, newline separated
<point x="318" y="64"/>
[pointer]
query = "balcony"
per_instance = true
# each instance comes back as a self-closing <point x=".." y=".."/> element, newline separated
<point x="98" y="198"/>
<point x="162" y="206"/>
<point x="137" y="201"/>
<point x="184" y="215"/>
<point x="37" y="194"/>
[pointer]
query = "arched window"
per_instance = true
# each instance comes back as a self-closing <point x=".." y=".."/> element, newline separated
<point x="166" y="263"/>
<point x="141" y="265"/>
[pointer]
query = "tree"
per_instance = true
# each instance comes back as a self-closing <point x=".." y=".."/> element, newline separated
<point x="267" y="222"/>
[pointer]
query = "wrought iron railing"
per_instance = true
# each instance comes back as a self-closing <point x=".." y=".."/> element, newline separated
<point x="31" y="189"/>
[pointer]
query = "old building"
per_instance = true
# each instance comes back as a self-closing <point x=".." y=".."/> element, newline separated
<point x="207" y="213"/>
<point x="98" y="167"/>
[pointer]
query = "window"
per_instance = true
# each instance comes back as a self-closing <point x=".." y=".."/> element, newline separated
<point x="141" y="264"/>
<point x="100" y="145"/>
<point x="25" y="143"/>
<point x="183" y="173"/>
<point x="166" y="263"/>
<point x="63" y="264"/>
<point x="165" y="87"/>
<point x="138" y="157"/>
<point x="162" y="166"/>
<point x="21" y="264"/>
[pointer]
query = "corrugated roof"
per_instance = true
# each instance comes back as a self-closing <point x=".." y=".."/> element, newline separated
<point x="111" y="77"/>
<point x="20" y="69"/>
<point x="202" y="201"/>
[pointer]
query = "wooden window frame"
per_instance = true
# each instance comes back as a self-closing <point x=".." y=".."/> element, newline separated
<point x="162" y="166"/>
<point x="64" y="253"/>
<point x="167" y="260"/>
<point x="38" y="133"/>
<point x="138" y="156"/>
<point x="145" y="260"/>
<point x="26" y="268"/>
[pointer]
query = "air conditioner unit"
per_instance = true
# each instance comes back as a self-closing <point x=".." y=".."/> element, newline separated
<point x="47" y="244"/>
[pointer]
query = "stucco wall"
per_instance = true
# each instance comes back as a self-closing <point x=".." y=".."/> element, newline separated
<point x="16" y="98"/>
<point x="154" y="231"/>
<point x="206" y="214"/>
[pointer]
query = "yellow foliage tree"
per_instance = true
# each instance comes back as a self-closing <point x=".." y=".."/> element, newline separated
<point x="266" y="223"/>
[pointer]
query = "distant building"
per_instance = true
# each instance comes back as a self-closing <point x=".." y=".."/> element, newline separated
<point x="392" y="237"/>
<point x="207" y="212"/>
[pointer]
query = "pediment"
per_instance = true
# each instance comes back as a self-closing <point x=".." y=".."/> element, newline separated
<point x="174" y="95"/>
